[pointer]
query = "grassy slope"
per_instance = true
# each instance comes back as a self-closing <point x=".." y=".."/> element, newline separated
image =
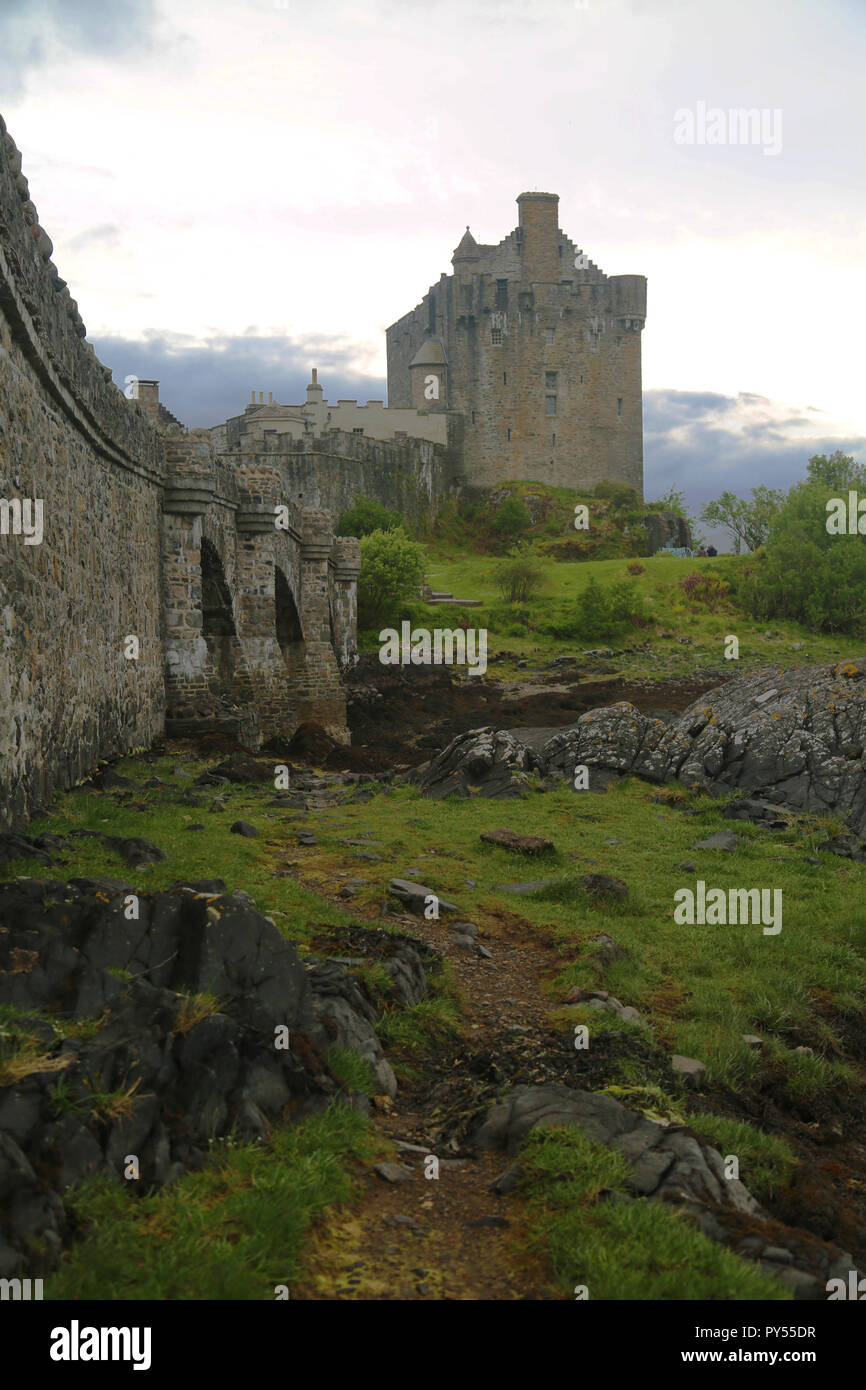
<point x="658" y="588"/>
<point x="700" y="988"/>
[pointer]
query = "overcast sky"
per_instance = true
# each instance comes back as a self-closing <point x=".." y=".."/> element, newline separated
<point x="240" y="189"/>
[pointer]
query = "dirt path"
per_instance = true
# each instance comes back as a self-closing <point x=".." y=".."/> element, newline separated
<point x="448" y="1237"/>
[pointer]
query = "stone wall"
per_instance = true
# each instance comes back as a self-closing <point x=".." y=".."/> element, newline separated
<point x="68" y="694"/>
<point x="331" y="471"/>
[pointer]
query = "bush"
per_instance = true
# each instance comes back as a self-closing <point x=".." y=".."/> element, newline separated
<point x="519" y="578"/>
<point x="806" y="574"/>
<point x="366" y="517"/>
<point x="604" y="611"/>
<point x="636" y="567"/>
<point x="392" y="570"/>
<point x="511" y="520"/>
<point x="706" y="588"/>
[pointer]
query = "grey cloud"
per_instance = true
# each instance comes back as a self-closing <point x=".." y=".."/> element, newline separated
<point x="106" y="234"/>
<point x="31" y="30"/>
<point x="203" y="385"/>
<point x="720" y="450"/>
<point x="694" y="440"/>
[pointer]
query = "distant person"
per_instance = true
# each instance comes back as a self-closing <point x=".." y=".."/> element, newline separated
<point x="702" y="553"/>
<point x="711" y="550"/>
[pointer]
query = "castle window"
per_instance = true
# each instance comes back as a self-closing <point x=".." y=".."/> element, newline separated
<point x="473" y="417"/>
<point x="548" y="335"/>
<point x="550" y="381"/>
<point x="496" y="335"/>
<point x="509" y="436"/>
<point x="550" y="405"/>
<point x="502" y="294"/>
<point x="358" y="431"/>
<point x="619" y="407"/>
<point x="553" y="441"/>
<point x="504" y="378"/>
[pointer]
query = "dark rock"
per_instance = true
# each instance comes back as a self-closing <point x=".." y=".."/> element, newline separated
<point x="759" y="812"/>
<point x="520" y="844"/>
<point x="240" y="768"/>
<point x="134" y="852"/>
<point x="108" y="778"/>
<point x="242" y="827"/>
<point x="493" y="764"/>
<point x="723" y="839"/>
<point x="392" y="1172"/>
<point x="689" y="1068"/>
<point x="606" y="886"/>
<point x="848" y="846"/>
<point x="414" y="896"/>
<point x="608" y="950"/>
<point x="42" y="848"/>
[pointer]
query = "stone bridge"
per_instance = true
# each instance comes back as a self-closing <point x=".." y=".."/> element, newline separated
<point x="168" y="591"/>
<point x="259" y="601"/>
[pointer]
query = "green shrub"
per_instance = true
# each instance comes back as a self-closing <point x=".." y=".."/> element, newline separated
<point x="511" y="520"/>
<point x="392" y="570"/>
<point x="604" y="610"/>
<point x="366" y="517"/>
<point x="705" y="588"/>
<point x="520" y="577"/>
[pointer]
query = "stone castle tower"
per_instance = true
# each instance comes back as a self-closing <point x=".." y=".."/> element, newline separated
<point x="537" y="349"/>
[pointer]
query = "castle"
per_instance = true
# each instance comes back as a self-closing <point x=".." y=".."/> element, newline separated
<point x="168" y="590"/>
<point x="189" y="580"/>
<point x="537" y="350"/>
<point x="525" y="363"/>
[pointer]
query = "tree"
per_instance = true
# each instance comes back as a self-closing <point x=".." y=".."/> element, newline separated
<point x="749" y="522"/>
<point x="367" y="516"/>
<point x="804" y="572"/>
<point x="838" y="472"/>
<point x="392" y="570"/>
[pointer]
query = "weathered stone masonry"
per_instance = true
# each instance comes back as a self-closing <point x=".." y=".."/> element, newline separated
<point x="538" y="350"/>
<point x="146" y="533"/>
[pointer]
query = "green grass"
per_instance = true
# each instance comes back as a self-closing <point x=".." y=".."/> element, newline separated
<point x="355" y="1072"/>
<point x="250" y="864"/>
<point x="766" y="1161"/>
<point x="620" y="1250"/>
<point x="414" y="1028"/>
<point x="699" y="988"/>
<point x="521" y="629"/>
<point x="233" y="1230"/>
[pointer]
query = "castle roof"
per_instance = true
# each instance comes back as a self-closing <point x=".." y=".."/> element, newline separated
<point x="467" y="247"/>
<point x="429" y="354"/>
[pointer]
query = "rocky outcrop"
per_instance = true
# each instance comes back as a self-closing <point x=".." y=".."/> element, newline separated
<point x="792" y="738"/>
<point x="666" y="528"/>
<point x="496" y="764"/>
<point x="145" y="1025"/>
<point x="668" y="1163"/>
